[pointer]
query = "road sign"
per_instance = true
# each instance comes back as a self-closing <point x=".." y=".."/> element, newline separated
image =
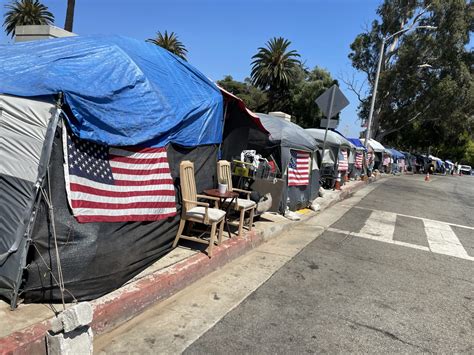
<point x="332" y="101"/>
<point x="332" y="123"/>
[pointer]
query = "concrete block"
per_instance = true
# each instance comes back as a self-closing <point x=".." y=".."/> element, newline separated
<point x="79" y="341"/>
<point x="77" y="316"/>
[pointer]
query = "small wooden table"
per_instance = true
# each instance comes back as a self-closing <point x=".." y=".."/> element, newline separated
<point x="224" y="203"/>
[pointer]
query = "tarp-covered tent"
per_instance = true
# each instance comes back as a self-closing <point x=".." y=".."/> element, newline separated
<point x="334" y="143"/>
<point x="378" y="150"/>
<point x="239" y="122"/>
<point x="117" y="92"/>
<point x="359" y="157"/>
<point x="285" y="138"/>
<point x="398" y="159"/>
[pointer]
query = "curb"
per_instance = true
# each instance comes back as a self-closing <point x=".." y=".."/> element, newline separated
<point x="130" y="300"/>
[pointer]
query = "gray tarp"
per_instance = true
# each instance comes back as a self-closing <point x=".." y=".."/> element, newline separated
<point x="333" y="139"/>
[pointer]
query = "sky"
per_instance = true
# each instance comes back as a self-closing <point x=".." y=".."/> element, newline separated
<point x="222" y="35"/>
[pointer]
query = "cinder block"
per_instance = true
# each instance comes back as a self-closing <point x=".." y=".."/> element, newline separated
<point x="77" y="316"/>
<point x="79" y="341"/>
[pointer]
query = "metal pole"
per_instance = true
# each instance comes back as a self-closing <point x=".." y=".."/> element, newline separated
<point x="374" y="93"/>
<point x="327" y="123"/>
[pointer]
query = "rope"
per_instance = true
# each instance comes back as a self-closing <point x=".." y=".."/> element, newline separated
<point x="60" y="282"/>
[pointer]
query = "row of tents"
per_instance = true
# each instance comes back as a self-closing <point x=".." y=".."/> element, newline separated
<point x="92" y="132"/>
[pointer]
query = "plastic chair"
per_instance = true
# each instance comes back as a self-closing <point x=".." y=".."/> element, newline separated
<point x="243" y="205"/>
<point x="196" y="211"/>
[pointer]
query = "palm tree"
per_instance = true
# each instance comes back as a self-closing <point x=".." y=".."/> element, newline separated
<point x="26" y="12"/>
<point x="68" y="23"/>
<point x="170" y="42"/>
<point x="273" y="68"/>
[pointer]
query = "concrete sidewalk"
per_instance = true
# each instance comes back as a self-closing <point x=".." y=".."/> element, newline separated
<point x="23" y="330"/>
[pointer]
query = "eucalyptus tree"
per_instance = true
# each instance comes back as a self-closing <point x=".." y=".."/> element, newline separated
<point x="425" y="96"/>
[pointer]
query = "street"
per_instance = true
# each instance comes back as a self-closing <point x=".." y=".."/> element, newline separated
<point x="388" y="270"/>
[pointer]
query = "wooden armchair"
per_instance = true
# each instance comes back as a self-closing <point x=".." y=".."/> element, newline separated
<point x="196" y="211"/>
<point x="243" y="205"/>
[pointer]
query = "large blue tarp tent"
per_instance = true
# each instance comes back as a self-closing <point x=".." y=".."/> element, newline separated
<point x="121" y="91"/>
<point x="116" y="92"/>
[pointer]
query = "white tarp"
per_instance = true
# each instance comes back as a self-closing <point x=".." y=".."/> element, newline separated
<point x="23" y="125"/>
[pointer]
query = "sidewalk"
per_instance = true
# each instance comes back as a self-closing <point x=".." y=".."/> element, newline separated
<point x="23" y="330"/>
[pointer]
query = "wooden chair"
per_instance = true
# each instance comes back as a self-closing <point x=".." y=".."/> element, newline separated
<point x="243" y="205"/>
<point x="196" y="211"/>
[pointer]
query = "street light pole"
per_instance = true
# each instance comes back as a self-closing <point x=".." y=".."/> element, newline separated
<point x="377" y="75"/>
<point x="374" y="93"/>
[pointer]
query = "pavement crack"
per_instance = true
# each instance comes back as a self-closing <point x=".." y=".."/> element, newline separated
<point x="387" y="333"/>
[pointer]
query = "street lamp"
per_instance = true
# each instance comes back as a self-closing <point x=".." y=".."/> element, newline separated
<point x="379" y="65"/>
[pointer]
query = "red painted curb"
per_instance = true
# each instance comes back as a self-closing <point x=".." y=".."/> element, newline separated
<point x="130" y="300"/>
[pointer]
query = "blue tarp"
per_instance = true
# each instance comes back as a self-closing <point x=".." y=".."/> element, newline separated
<point x="396" y="154"/>
<point x="121" y="91"/>
<point x="357" y="143"/>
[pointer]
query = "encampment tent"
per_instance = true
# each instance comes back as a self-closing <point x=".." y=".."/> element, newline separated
<point x="293" y="149"/>
<point x="92" y="133"/>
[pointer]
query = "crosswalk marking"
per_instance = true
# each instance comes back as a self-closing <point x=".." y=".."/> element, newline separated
<point x="380" y="224"/>
<point x="421" y="218"/>
<point x="442" y="239"/>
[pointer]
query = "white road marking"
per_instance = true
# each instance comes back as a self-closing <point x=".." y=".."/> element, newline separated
<point x="421" y="218"/>
<point x="443" y="240"/>
<point x="380" y="225"/>
<point x="380" y="239"/>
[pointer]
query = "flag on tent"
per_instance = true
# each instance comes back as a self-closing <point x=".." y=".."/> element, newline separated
<point x="359" y="158"/>
<point x="107" y="184"/>
<point x="343" y="163"/>
<point x="298" y="168"/>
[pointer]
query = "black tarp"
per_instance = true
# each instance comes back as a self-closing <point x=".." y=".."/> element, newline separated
<point x="97" y="258"/>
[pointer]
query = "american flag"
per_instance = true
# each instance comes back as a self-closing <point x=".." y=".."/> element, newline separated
<point x="359" y="158"/>
<point x="298" y="168"/>
<point x="106" y="184"/>
<point x="343" y="163"/>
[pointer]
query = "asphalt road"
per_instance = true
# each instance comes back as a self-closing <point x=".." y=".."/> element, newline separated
<point x="394" y="274"/>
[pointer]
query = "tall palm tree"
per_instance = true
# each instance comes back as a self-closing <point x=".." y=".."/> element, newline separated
<point x="26" y="12"/>
<point x="170" y="42"/>
<point x="68" y="23"/>
<point x="273" y="68"/>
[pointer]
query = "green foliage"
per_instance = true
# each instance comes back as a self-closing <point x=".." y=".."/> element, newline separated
<point x="26" y="12"/>
<point x="425" y="96"/>
<point x="170" y="42"/>
<point x="308" y="86"/>
<point x="254" y="98"/>
<point x="273" y="70"/>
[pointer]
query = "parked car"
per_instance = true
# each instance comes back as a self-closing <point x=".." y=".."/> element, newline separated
<point x="465" y="169"/>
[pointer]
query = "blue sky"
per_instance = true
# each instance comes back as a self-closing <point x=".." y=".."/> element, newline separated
<point x="222" y="35"/>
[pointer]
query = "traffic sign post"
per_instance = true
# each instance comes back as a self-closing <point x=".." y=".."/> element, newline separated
<point x="331" y="102"/>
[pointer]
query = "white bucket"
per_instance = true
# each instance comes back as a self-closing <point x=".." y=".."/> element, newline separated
<point x="222" y="188"/>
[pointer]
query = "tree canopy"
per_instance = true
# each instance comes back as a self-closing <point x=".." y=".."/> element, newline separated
<point x="171" y="43"/>
<point x="299" y="100"/>
<point x="273" y="69"/>
<point x="425" y="98"/>
<point x="26" y="12"/>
